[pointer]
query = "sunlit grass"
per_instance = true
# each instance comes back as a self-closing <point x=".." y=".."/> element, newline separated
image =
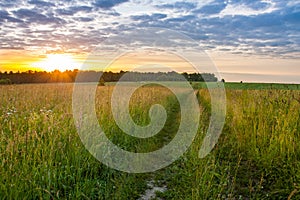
<point x="41" y="155"/>
<point x="257" y="156"/>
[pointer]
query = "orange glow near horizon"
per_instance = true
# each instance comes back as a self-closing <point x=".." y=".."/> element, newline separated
<point x="22" y="60"/>
<point x="59" y="62"/>
<point x="27" y="60"/>
<point x="232" y="67"/>
<point x="145" y="61"/>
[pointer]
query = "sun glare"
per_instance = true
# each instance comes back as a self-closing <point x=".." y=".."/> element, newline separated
<point x="59" y="62"/>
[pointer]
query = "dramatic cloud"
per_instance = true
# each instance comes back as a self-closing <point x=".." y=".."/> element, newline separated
<point x="213" y="8"/>
<point x="247" y="27"/>
<point x="179" y="5"/>
<point x="108" y="3"/>
<point x="41" y="3"/>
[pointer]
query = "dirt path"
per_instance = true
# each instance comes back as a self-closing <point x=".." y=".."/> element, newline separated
<point x="151" y="192"/>
<point x="158" y="185"/>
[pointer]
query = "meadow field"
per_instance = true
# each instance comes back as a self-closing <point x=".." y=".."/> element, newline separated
<point x="256" y="157"/>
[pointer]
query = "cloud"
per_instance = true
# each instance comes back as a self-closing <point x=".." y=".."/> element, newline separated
<point x="107" y="4"/>
<point x="6" y="17"/>
<point x="248" y="7"/>
<point x="72" y="10"/>
<point x="81" y="8"/>
<point x="153" y="17"/>
<point x="84" y="19"/>
<point x="179" y="5"/>
<point x="41" y="3"/>
<point x="63" y="11"/>
<point x="267" y="27"/>
<point x="11" y="48"/>
<point x="214" y="8"/>
<point x="35" y="17"/>
<point x="9" y="4"/>
<point x="181" y="18"/>
<point x="254" y="4"/>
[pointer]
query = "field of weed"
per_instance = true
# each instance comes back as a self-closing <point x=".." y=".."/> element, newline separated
<point x="257" y="156"/>
<point x="41" y="154"/>
<point x="248" y="86"/>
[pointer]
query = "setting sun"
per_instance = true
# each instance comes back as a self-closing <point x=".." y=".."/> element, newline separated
<point x="60" y="62"/>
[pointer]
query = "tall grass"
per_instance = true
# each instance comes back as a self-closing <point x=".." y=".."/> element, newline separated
<point x="42" y="157"/>
<point x="263" y="129"/>
<point x="41" y="153"/>
<point x="257" y="156"/>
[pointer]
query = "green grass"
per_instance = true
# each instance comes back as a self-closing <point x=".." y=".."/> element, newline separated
<point x="41" y="153"/>
<point x="247" y="86"/>
<point x="257" y="156"/>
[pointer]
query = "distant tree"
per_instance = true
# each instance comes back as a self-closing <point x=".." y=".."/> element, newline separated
<point x="67" y="76"/>
<point x="223" y="80"/>
<point x="162" y="77"/>
<point x="5" y="81"/>
<point x="185" y="75"/>
<point x="101" y="82"/>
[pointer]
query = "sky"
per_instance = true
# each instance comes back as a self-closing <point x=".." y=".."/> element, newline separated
<point x="247" y="40"/>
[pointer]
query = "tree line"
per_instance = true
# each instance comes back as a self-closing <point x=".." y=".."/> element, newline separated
<point x="69" y="76"/>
